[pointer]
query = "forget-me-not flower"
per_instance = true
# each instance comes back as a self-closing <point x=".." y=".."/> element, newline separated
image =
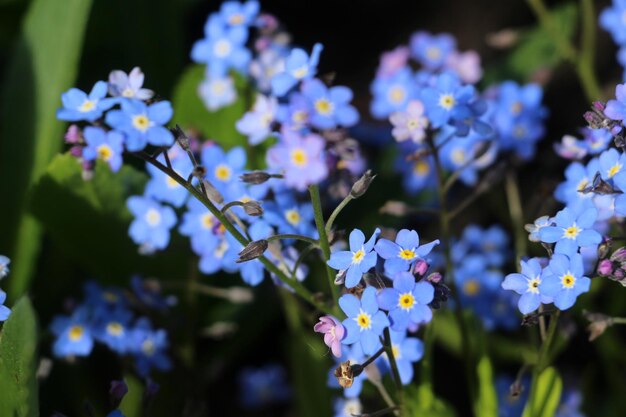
<point x="77" y="105"/>
<point x="106" y="146"/>
<point x="365" y="322"/>
<point x="298" y="66"/>
<point x="407" y="302"/>
<point x="358" y="260"/>
<point x="563" y="280"/>
<point x="401" y="254"/>
<point x="142" y="124"/>
<point x="572" y="230"/>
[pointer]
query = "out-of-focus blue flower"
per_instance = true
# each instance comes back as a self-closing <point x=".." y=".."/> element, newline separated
<point x="148" y="292"/>
<point x="113" y="330"/>
<point x="289" y="216"/>
<point x="391" y="94"/>
<point x="527" y="285"/>
<point x="563" y="280"/>
<point x="401" y="255"/>
<point x="148" y="347"/>
<point x="239" y="14"/>
<point x="77" y="105"/>
<point x="432" y="51"/>
<point x="257" y="124"/>
<point x="115" y="413"/>
<point x="294" y="115"/>
<point x="73" y="334"/>
<point x="417" y="174"/>
<point x="107" y="146"/>
<point x="407" y="302"/>
<point x="355" y="355"/>
<point x="612" y="20"/>
<point x="447" y="99"/>
<point x="571" y="400"/>
<point x="300" y="158"/>
<point x="467" y="155"/>
<point x="223" y="168"/>
<point x="577" y="178"/>
<point x="533" y="229"/>
<point x="298" y="67"/>
<point x="202" y="227"/>
<point x="264" y="386"/>
<point x="128" y="85"/>
<point x="268" y="63"/>
<point x="511" y="405"/>
<point x="475" y="281"/>
<point x="572" y="230"/>
<point x="222" y="48"/>
<point x="5" y="311"/>
<point x="492" y="243"/>
<point x="358" y="260"/>
<point x="142" y="124"/>
<point x="329" y="106"/>
<point x="594" y="141"/>
<point x="347" y="407"/>
<point x="365" y="322"/>
<point x="406" y="351"/>
<point x="152" y="224"/>
<point x="217" y="92"/>
<point x="611" y="162"/>
<point x="161" y="186"/>
<point x="411" y="123"/>
<point x="4" y="266"/>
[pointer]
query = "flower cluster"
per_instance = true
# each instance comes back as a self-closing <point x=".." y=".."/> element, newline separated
<point x="263" y="386"/>
<point x="107" y="315"/>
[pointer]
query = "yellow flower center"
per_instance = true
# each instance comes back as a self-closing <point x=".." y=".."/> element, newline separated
<point x="615" y="169"/>
<point x="568" y="280"/>
<point x="76" y="333"/>
<point x="222" y="172"/>
<point x="171" y="183"/>
<point x="364" y="321"/>
<point x="433" y="53"/>
<point x="153" y="217"/>
<point x="582" y="184"/>
<point x="395" y="349"/>
<point x="406" y="301"/>
<point x="222" y="48"/>
<point x="115" y="329"/>
<point x="519" y="132"/>
<point x="87" y="105"/>
<point x="516" y="108"/>
<point x="292" y="216"/>
<point x="141" y="122"/>
<point x="298" y="157"/>
<point x="218" y="87"/>
<point x="471" y="287"/>
<point x="358" y="256"/>
<point x="447" y="101"/>
<point x="533" y="285"/>
<point x="324" y="106"/>
<point x="148" y="347"/>
<point x="221" y="249"/>
<point x="301" y="72"/>
<point x="407" y="254"/>
<point x="128" y="92"/>
<point x="421" y="168"/>
<point x="105" y="152"/>
<point x="299" y="116"/>
<point x="397" y="94"/>
<point x="571" y="232"/>
<point x="236" y="19"/>
<point x="110" y="297"/>
<point x="458" y="156"/>
<point x="207" y="221"/>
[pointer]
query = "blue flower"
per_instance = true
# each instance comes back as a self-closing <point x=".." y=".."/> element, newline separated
<point x="223" y="168"/>
<point x="527" y="285"/>
<point x="612" y="20"/>
<point x="563" y="280"/>
<point x="222" y="48"/>
<point x="142" y="124"/>
<point x="106" y="146"/>
<point x="289" y="216"/>
<point x="217" y="92"/>
<point x="358" y="260"/>
<point x="432" y="50"/>
<point x="295" y="114"/>
<point x="161" y="186"/>
<point x="128" y="85"/>
<point x="298" y="66"/>
<point x="77" y="105"/>
<point x="4" y="266"/>
<point x="365" y="322"/>
<point x="492" y="243"/>
<point x="347" y="407"/>
<point x="73" y="334"/>
<point x="148" y="347"/>
<point x="113" y="330"/>
<point x="533" y="229"/>
<point x="417" y="174"/>
<point x="152" y="224"/>
<point x="263" y="386"/>
<point x="148" y="292"/>
<point x="257" y="124"/>
<point x="5" y="311"/>
<point x="612" y="163"/>
<point x="239" y="14"/>
<point x="406" y="351"/>
<point x="447" y="99"/>
<point x="391" y="94"/>
<point x="202" y="227"/>
<point x="329" y="106"/>
<point x="404" y="252"/>
<point x="407" y="302"/>
<point x="572" y="230"/>
<point x="577" y="178"/>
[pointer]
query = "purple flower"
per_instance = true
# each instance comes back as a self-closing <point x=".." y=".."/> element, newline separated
<point x="333" y="333"/>
<point x="142" y="124"/>
<point x="128" y="85"/>
<point x="365" y="322"/>
<point x="358" y="260"/>
<point x="392" y="61"/>
<point x="404" y="252"/>
<point x="257" y="124"/>
<point x="407" y="302"/>
<point x="77" y="105"/>
<point x="466" y="65"/>
<point x="301" y="158"/>
<point x="411" y="123"/>
<point x="107" y="146"/>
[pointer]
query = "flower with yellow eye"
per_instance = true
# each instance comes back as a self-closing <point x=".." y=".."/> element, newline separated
<point x="358" y="260"/>
<point x="223" y="167"/>
<point x="563" y="280"/>
<point x="365" y="322"/>
<point x="73" y="334"/>
<point x="105" y="146"/>
<point x="527" y="285"/>
<point x="407" y="302"/>
<point x="329" y="106"/>
<point x="298" y="66"/>
<point x="404" y="252"/>
<point x="78" y="105"/>
<point x="572" y="229"/>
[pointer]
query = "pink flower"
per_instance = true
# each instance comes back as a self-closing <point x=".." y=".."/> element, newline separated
<point x="411" y="123"/>
<point x="333" y="333"/>
<point x="466" y="65"/>
<point x="392" y="61"/>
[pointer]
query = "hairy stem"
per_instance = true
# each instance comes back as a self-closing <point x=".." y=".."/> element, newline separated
<point x="394" y="370"/>
<point x="336" y="211"/>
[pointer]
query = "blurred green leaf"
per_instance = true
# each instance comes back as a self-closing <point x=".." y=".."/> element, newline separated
<point x="131" y="405"/>
<point x="487" y="401"/>
<point x="547" y="396"/>
<point x="422" y="402"/>
<point x="191" y="113"/>
<point x="18" y="343"/>
<point x="89" y="220"/>
<point x="44" y="65"/>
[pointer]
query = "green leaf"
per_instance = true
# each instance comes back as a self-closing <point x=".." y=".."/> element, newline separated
<point x="18" y="342"/>
<point x="545" y="395"/>
<point x="422" y="402"/>
<point x="43" y="66"/>
<point x="190" y="111"/>
<point x="487" y="401"/>
<point x="89" y="220"/>
<point x="131" y="405"/>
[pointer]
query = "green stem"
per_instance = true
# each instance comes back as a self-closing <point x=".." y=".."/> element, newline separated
<point x="336" y="211"/>
<point x="298" y="288"/>
<point x="517" y="215"/>
<point x="314" y="191"/>
<point x="394" y="370"/>
<point x="543" y="358"/>
<point x="293" y="236"/>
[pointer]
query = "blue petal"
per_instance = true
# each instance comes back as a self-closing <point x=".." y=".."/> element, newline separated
<point x="387" y="249"/>
<point x="515" y="282"/>
<point x="350" y="305"/>
<point x="353" y="276"/>
<point x="353" y="332"/>
<point x="340" y="260"/>
<point x="368" y="300"/>
<point x="395" y="265"/>
<point x="424" y="250"/>
<point x="421" y="314"/>
<point x="565" y="299"/>
<point x="550" y="234"/>
<point x="388" y="299"/>
<point x="424" y="292"/>
<point x="404" y="282"/>
<point x="357" y="239"/>
<point x="369" y="342"/>
<point x="529" y="302"/>
<point x="408" y="239"/>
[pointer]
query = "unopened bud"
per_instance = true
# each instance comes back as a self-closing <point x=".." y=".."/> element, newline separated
<point x="199" y="171"/>
<point x="252" y="251"/>
<point x="598" y="323"/>
<point x="604" y="247"/>
<point x="253" y="208"/>
<point x="344" y="375"/>
<point x="212" y="193"/>
<point x="516" y="389"/>
<point x="340" y="277"/>
<point x="360" y="187"/>
<point x="255" y="177"/>
<point x="421" y="266"/>
<point x="619" y="255"/>
<point x="605" y="267"/>
<point x="117" y="392"/>
<point x="434" y="278"/>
